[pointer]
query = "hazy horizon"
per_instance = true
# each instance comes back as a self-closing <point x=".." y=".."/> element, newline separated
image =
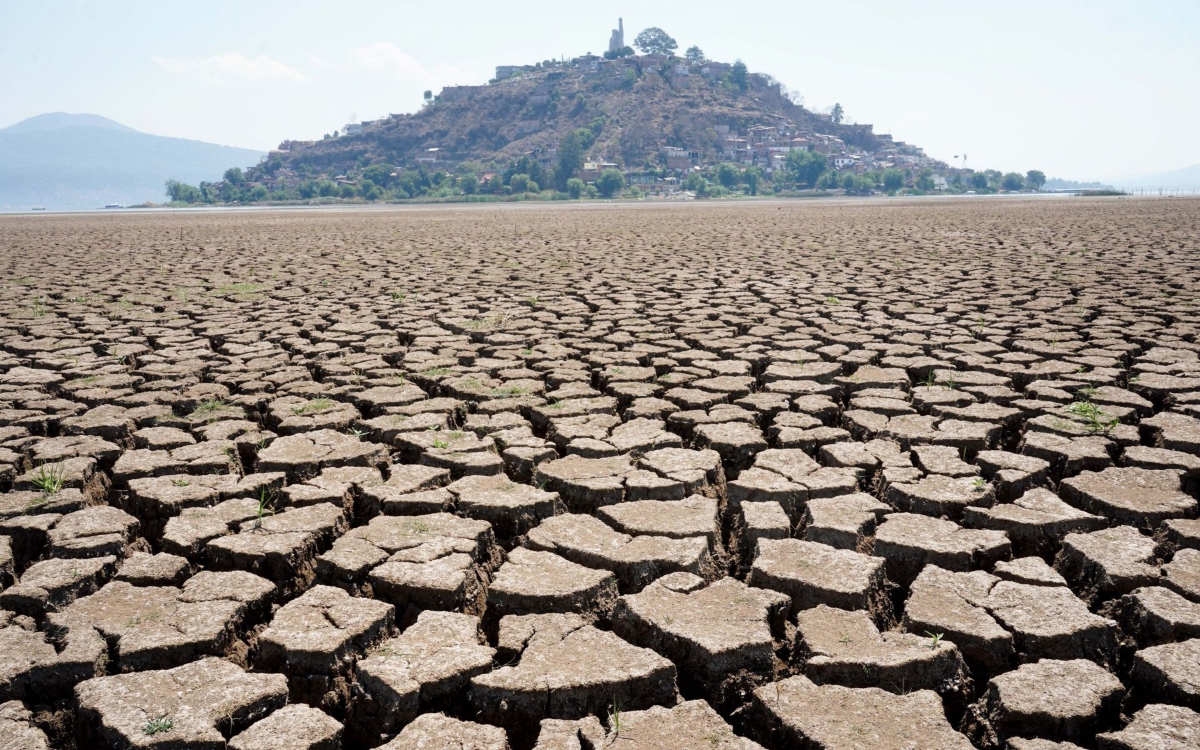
<point x="1083" y="92"/>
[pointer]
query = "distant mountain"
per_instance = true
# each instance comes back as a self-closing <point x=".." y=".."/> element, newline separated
<point x="1187" y="178"/>
<point x="65" y="162"/>
<point x="61" y="120"/>
<point x="1057" y="183"/>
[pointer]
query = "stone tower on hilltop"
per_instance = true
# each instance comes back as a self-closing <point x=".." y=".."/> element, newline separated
<point x="617" y="40"/>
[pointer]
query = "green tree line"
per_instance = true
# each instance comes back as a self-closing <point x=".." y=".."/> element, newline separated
<point x="527" y="177"/>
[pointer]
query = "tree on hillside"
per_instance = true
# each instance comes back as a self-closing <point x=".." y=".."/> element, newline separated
<point x="520" y="183"/>
<point x="234" y="176"/>
<point x="752" y="177"/>
<point x="838" y="114"/>
<point x="1012" y="181"/>
<point x="619" y="52"/>
<point x="1036" y="178"/>
<point x="695" y="55"/>
<point x="740" y="76"/>
<point x="655" y="41"/>
<point x="570" y="158"/>
<point x="925" y="180"/>
<point x="611" y="180"/>
<point x="893" y="179"/>
<point x="727" y="175"/>
<point x="804" y="167"/>
<point x="380" y="174"/>
<point x="181" y="192"/>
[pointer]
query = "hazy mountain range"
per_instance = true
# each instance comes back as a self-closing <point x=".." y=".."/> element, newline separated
<point x="1187" y="178"/>
<point x="63" y="162"/>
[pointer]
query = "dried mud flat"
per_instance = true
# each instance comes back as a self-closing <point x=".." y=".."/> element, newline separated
<point x="845" y="476"/>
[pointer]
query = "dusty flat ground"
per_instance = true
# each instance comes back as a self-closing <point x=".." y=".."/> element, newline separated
<point x="882" y="475"/>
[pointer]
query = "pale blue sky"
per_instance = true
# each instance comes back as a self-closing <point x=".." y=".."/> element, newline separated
<point x="1078" y="89"/>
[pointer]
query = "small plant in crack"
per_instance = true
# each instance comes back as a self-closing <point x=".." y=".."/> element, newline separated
<point x="158" y="726"/>
<point x="508" y="391"/>
<point x="1093" y="416"/>
<point x="936" y="639"/>
<point x="441" y="443"/>
<point x="614" y="717"/>
<point x="180" y="482"/>
<point x="50" y="478"/>
<point x="320" y="404"/>
<point x="266" y="499"/>
<point x="207" y="407"/>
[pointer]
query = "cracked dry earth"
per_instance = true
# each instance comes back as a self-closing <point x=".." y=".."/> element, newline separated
<point x="851" y="476"/>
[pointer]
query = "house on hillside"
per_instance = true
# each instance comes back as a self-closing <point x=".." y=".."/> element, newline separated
<point x="761" y="134"/>
<point x="771" y="157"/>
<point x="508" y="71"/>
<point x="429" y="156"/>
<point x="525" y="127"/>
<point x="459" y="93"/>
<point x="650" y="183"/>
<point x="354" y="128"/>
<point x="680" y="159"/>
<point x="736" y="149"/>
<point x="592" y="169"/>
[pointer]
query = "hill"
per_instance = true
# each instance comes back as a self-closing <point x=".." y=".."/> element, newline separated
<point x="65" y="161"/>
<point x="636" y="108"/>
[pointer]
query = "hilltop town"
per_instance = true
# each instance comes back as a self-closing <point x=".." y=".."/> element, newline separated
<point x="649" y="122"/>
